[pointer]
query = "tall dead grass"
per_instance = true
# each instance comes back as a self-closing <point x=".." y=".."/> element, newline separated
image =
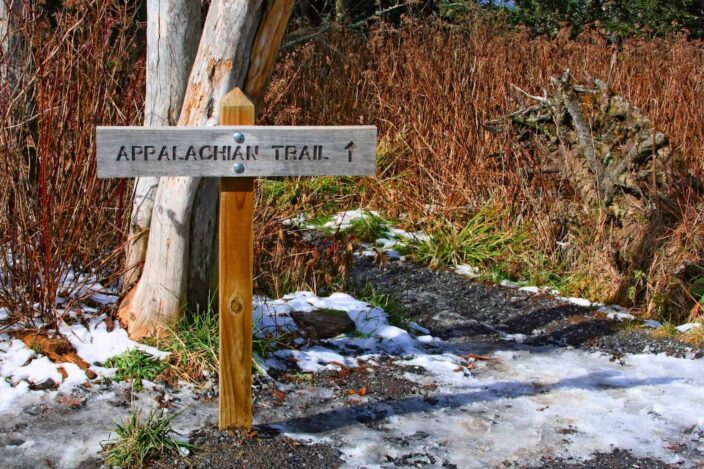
<point x="430" y="87"/>
<point x="68" y="72"/>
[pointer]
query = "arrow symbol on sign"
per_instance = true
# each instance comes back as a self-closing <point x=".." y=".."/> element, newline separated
<point x="350" y="146"/>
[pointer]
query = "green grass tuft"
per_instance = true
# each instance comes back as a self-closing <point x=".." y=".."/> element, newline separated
<point x="136" y="365"/>
<point x="368" y="228"/>
<point x="395" y="311"/>
<point x="478" y="243"/>
<point x="667" y="330"/>
<point x="320" y="193"/>
<point x="137" y="441"/>
<point x="193" y="342"/>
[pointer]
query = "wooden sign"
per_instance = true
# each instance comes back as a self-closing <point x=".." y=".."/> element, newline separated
<point x="237" y="152"/>
<point x="245" y="151"/>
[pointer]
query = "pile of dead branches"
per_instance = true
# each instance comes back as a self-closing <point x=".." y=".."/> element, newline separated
<point x="618" y="165"/>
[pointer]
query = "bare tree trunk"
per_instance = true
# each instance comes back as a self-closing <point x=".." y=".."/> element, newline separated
<point x="5" y="38"/>
<point x="173" y="31"/>
<point x="202" y="263"/>
<point x="234" y="30"/>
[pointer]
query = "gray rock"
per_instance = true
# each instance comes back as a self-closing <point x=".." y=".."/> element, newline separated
<point x="44" y="385"/>
<point x="323" y="323"/>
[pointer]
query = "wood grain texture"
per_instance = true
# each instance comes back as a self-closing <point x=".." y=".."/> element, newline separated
<point x="173" y="30"/>
<point x="235" y="281"/>
<point x="266" y="46"/>
<point x="115" y="151"/>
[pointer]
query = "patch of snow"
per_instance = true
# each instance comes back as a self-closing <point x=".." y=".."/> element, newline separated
<point x="63" y="439"/>
<point x="418" y="328"/>
<point x="467" y="270"/>
<point x="374" y="332"/>
<point x="582" y="302"/>
<point x="343" y="220"/>
<point x="314" y="359"/>
<point x="75" y="377"/>
<point x="9" y="394"/>
<point x="4" y="314"/>
<point x="690" y="326"/>
<point x="617" y="313"/>
<point x="652" y="323"/>
<point x="272" y="317"/>
<point x="532" y="289"/>
<point x="508" y="284"/>
<point x="16" y="356"/>
<point x="298" y="220"/>
<point x="411" y="236"/>
<point x="518" y="338"/>
<point x="37" y="371"/>
<point x="97" y="344"/>
<point x="517" y="405"/>
<point x="385" y="243"/>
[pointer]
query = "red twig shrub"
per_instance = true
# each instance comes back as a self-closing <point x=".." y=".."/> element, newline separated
<point x="68" y="71"/>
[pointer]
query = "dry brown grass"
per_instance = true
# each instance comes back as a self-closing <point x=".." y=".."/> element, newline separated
<point x="430" y="87"/>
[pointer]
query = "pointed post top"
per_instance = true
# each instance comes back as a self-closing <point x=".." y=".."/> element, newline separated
<point x="236" y="109"/>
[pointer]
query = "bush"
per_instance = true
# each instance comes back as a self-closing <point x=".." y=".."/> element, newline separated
<point x="70" y="69"/>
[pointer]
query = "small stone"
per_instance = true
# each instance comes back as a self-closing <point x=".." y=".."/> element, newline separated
<point x="324" y="323"/>
<point x="44" y="385"/>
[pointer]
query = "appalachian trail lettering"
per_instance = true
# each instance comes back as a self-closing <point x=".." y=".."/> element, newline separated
<point x="221" y="153"/>
<point x="236" y="151"/>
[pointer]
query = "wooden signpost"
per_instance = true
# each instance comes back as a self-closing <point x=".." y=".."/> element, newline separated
<point x="237" y="152"/>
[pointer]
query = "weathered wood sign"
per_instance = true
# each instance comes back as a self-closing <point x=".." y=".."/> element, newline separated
<point x="237" y="152"/>
<point x="246" y="151"/>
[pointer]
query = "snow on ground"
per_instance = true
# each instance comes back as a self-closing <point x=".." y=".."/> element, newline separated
<point x="45" y="432"/>
<point x="343" y="220"/>
<point x="519" y="405"/>
<point x="97" y="344"/>
<point x="522" y="404"/>
<point x="22" y="368"/>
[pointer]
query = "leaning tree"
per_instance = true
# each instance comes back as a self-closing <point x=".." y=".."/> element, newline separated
<point x="173" y="222"/>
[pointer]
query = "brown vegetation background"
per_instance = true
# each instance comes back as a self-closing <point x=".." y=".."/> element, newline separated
<point x="429" y="86"/>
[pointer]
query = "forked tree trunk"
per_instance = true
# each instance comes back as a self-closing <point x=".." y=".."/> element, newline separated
<point x="173" y="32"/>
<point x="240" y="39"/>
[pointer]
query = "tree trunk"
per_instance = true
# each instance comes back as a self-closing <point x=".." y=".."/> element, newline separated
<point x="202" y="274"/>
<point x="173" y="30"/>
<point x="238" y="36"/>
<point x="5" y="37"/>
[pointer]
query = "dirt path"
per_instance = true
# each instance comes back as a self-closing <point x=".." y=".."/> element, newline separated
<point x="391" y="411"/>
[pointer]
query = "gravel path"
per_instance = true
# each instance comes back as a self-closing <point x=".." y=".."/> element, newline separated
<point x="459" y="310"/>
<point x="463" y="313"/>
